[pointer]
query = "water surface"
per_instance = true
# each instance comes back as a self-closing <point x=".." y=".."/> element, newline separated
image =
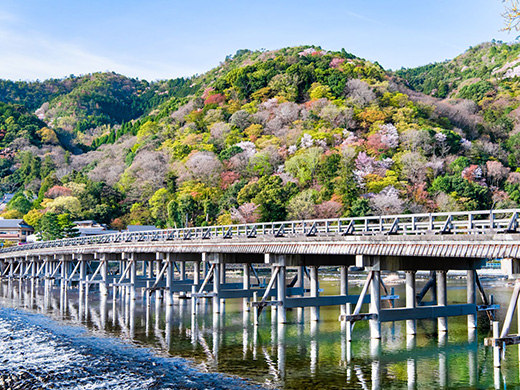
<point x="301" y="354"/>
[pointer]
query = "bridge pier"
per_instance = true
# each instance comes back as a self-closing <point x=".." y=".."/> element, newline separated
<point x="471" y="281"/>
<point x="133" y="275"/>
<point x="216" y="261"/>
<point x="314" y="287"/>
<point x="442" y="297"/>
<point x="343" y="286"/>
<point x="375" y="305"/>
<point x="170" y="272"/>
<point x="411" y="325"/>
<point x="246" y="285"/>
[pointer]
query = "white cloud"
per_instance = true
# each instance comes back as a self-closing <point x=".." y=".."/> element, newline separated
<point x="33" y="55"/>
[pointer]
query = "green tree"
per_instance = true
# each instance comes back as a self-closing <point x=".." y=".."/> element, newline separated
<point x="158" y="205"/>
<point x="271" y="195"/>
<point x="20" y="203"/>
<point x="49" y="227"/>
<point x="68" y="229"/>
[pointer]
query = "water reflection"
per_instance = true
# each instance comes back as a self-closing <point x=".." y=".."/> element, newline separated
<point x="302" y="353"/>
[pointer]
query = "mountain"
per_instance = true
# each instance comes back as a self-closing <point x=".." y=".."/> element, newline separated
<point x="267" y="135"/>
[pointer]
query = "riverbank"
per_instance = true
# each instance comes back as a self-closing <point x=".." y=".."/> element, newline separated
<point x="37" y="352"/>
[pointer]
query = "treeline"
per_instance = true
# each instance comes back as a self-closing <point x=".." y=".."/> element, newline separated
<point x="295" y="133"/>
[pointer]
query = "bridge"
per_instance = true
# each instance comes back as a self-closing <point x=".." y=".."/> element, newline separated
<point x="195" y="263"/>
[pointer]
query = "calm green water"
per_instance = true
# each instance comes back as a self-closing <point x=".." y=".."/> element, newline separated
<point x="300" y="354"/>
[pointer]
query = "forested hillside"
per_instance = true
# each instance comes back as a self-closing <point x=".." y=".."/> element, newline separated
<point x="286" y="134"/>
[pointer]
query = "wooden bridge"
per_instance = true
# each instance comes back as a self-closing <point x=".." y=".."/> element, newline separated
<point x="194" y="263"/>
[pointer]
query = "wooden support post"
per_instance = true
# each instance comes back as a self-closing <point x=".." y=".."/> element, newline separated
<point x="496" y="349"/>
<point x="442" y="296"/>
<point x="256" y="309"/>
<point x="472" y="297"/>
<point x="281" y="292"/>
<point x="64" y="271"/>
<point x="315" y="310"/>
<point x="133" y="272"/>
<point x="148" y="270"/>
<point x="169" y="280"/>
<point x="182" y="270"/>
<point x="348" y="311"/>
<point x="511" y="310"/>
<point x="103" y="289"/>
<point x="375" y="304"/>
<point x="82" y="272"/>
<point x="205" y="266"/>
<point x="222" y="273"/>
<point x="193" y="300"/>
<point x="343" y="286"/>
<point x="216" y="286"/>
<point x="246" y="285"/>
<point x="411" y="325"/>
<point x="300" y="282"/>
<point x="196" y="273"/>
<point x="443" y="361"/>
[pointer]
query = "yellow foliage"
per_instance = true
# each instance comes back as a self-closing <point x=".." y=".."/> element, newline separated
<point x="149" y="128"/>
<point x="32" y="217"/>
<point x="281" y="99"/>
<point x="45" y="202"/>
<point x="198" y="191"/>
<point x="48" y="136"/>
<point x="371" y="115"/>
<point x="224" y="219"/>
<point x="262" y="94"/>
<point x="65" y="204"/>
<point x="250" y="108"/>
<point x="77" y="188"/>
<point x="192" y="139"/>
<point x="254" y="131"/>
<point x="376" y="183"/>
<point x="319" y="91"/>
<point x="12" y="214"/>
<point x="267" y="140"/>
<point x="234" y="106"/>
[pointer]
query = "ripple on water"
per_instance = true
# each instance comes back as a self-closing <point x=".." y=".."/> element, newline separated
<point x="36" y="352"/>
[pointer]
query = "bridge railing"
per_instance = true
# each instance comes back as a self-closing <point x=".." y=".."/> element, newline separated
<point x="471" y="222"/>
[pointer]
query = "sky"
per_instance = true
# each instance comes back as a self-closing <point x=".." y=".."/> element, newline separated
<point x="161" y="39"/>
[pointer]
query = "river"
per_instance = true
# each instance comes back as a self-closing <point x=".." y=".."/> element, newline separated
<point x="52" y="339"/>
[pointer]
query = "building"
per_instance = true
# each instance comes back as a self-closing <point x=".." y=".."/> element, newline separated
<point x="4" y="200"/>
<point x="15" y="230"/>
<point x="140" y="228"/>
<point x="88" y="224"/>
<point x="91" y="228"/>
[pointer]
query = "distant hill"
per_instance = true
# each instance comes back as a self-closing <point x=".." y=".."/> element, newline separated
<point x="294" y="133"/>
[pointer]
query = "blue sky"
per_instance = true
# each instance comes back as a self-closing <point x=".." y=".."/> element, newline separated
<point x="157" y="39"/>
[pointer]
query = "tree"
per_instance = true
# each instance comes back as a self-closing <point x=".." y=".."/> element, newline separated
<point x="240" y="119"/>
<point x="512" y="15"/>
<point x="158" y="205"/>
<point x="271" y="194"/>
<point x="49" y="227"/>
<point x="246" y="213"/>
<point x="12" y="214"/>
<point x="68" y="229"/>
<point x="204" y="167"/>
<point x="65" y="204"/>
<point x="301" y="206"/>
<point x="387" y="202"/>
<point x="32" y="217"/>
<point x="19" y="203"/>
<point x="496" y="172"/>
<point x="304" y="164"/>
